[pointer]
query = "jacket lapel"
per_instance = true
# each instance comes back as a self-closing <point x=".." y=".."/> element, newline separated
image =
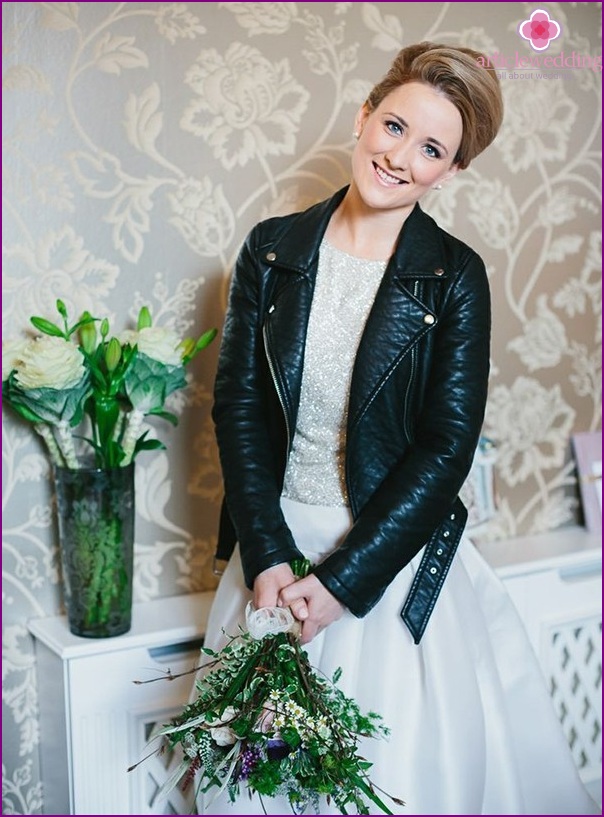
<point x="395" y="324"/>
<point x="293" y="257"/>
<point x="403" y="311"/>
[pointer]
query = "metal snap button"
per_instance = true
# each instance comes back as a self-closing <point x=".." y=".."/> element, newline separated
<point x="271" y="256"/>
<point x="433" y="570"/>
<point x="446" y="533"/>
<point x="429" y="319"/>
<point x="439" y="552"/>
<point x="439" y="271"/>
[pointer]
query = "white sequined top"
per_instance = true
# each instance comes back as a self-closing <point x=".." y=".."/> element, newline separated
<point x="344" y="293"/>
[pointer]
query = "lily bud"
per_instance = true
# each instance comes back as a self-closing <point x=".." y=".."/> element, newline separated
<point x="88" y="334"/>
<point x="187" y="349"/>
<point x="104" y="328"/>
<point x="113" y="354"/>
<point x="144" y="318"/>
<point x="61" y="308"/>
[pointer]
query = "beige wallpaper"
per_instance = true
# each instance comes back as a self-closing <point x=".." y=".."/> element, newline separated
<point x="143" y="140"/>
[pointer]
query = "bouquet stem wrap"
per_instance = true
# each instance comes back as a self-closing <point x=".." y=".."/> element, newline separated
<point x="270" y="621"/>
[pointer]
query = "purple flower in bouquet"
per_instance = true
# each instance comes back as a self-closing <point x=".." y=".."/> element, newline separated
<point x="249" y="758"/>
<point x="277" y="749"/>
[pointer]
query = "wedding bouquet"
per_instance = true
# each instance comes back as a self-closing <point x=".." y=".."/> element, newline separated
<point x="106" y="383"/>
<point x="266" y="722"/>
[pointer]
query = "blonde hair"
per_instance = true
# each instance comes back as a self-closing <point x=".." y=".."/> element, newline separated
<point x="459" y="75"/>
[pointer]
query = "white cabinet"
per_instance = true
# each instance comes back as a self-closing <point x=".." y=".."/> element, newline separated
<point x="555" y="581"/>
<point x="95" y="720"/>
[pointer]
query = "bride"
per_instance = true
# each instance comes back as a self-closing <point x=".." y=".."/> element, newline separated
<point x="349" y="399"/>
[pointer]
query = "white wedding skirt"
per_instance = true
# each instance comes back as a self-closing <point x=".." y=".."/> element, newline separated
<point x="473" y="729"/>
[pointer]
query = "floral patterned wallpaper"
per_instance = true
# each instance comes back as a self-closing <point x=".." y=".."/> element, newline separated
<point x="143" y="140"/>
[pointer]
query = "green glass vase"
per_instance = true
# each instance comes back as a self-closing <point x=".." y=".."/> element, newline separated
<point x="95" y="509"/>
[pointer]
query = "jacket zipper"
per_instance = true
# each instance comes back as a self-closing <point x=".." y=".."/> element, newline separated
<point x="271" y="367"/>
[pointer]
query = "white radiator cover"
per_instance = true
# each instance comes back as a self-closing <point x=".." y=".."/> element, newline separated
<point x="95" y="721"/>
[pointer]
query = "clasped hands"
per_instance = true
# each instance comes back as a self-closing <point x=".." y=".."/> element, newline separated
<point x="310" y="601"/>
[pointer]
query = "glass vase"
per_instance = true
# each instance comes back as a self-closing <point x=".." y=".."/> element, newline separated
<point x="96" y="535"/>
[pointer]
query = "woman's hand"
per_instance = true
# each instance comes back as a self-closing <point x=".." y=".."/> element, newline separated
<point x="269" y="583"/>
<point x="312" y="604"/>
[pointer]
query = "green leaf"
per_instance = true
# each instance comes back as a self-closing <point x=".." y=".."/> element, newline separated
<point x="26" y="413"/>
<point x="46" y="404"/>
<point x="148" y="445"/>
<point x="369" y="792"/>
<point x="291" y="736"/>
<point x="165" y="415"/>
<point x="47" y="327"/>
<point x="148" y="382"/>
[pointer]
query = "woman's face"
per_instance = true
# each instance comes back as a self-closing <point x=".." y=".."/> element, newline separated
<point x="406" y="146"/>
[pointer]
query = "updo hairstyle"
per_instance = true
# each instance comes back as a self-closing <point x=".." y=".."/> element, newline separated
<point x="458" y="74"/>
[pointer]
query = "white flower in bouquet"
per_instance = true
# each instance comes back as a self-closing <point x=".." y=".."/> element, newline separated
<point x="220" y="732"/>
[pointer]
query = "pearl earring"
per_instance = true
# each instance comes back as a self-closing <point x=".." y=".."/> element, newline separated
<point x="355" y="134"/>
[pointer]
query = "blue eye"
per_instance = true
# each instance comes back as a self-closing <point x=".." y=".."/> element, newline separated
<point x="394" y="127"/>
<point x="433" y="152"/>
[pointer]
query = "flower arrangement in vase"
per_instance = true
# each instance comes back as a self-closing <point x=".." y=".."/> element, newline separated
<point x="87" y="393"/>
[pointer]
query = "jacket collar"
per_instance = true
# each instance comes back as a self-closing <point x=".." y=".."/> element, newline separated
<point x="419" y="251"/>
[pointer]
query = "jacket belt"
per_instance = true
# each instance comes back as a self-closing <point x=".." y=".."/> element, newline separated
<point x="427" y="582"/>
<point x="432" y="570"/>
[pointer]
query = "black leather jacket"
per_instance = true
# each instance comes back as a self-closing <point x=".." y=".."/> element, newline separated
<point x="416" y="406"/>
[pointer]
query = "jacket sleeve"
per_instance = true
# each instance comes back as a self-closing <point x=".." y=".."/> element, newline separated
<point x="247" y="451"/>
<point x="416" y="495"/>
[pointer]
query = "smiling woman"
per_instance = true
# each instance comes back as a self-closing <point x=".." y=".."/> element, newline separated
<point x="406" y="146"/>
<point x="349" y="400"/>
<point x="142" y="141"/>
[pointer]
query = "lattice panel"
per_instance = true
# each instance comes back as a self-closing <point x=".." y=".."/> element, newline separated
<point x="575" y="677"/>
<point x="157" y="770"/>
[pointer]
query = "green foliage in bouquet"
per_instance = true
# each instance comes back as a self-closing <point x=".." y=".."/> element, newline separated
<point x="265" y="721"/>
<point x="74" y="373"/>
